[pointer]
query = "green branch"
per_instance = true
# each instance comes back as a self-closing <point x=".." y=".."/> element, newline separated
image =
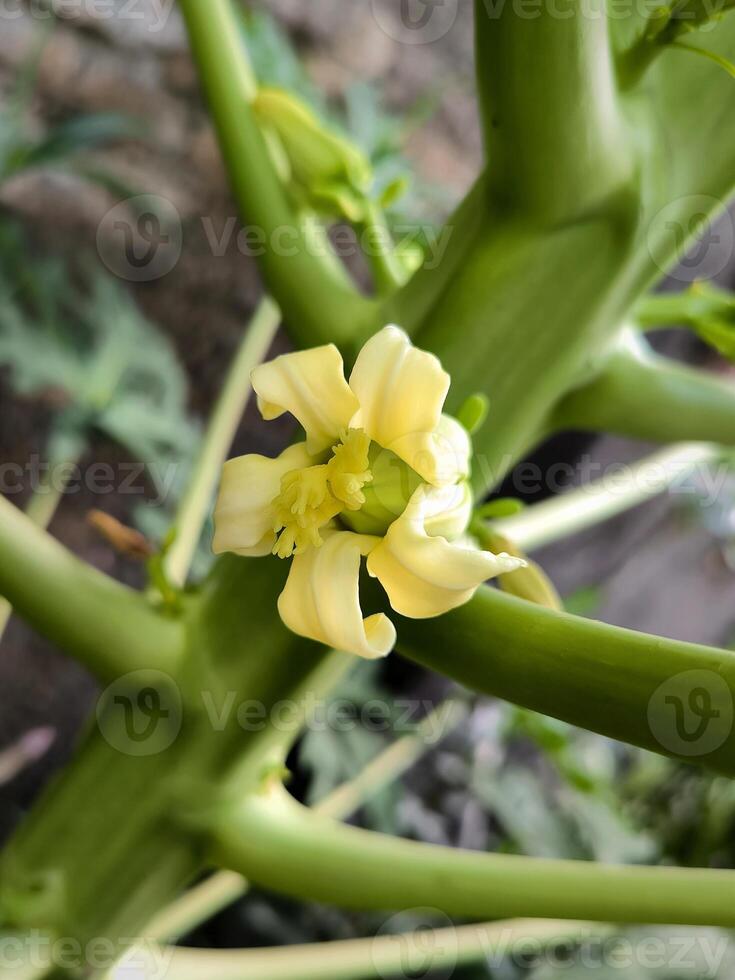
<point x="603" y="678"/>
<point x="355" y="959"/>
<point x="231" y="403"/>
<point x="645" y="396"/>
<point x="105" y="625"/>
<point x="43" y="504"/>
<point x="283" y="846"/>
<point x="205" y="900"/>
<point x="318" y="305"/>
<point x="598" y="501"/>
<point x="553" y="128"/>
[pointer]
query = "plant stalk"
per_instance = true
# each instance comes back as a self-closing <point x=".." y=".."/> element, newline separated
<point x="317" y="304"/>
<point x="231" y="403"/>
<point x="108" y="627"/>
<point x="598" y="501"/>
<point x="281" y="845"/>
<point x="383" y="955"/>
<point x="41" y="508"/>
<point x="206" y="899"/>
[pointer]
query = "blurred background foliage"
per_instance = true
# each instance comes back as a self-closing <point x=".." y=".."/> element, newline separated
<point x="106" y="369"/>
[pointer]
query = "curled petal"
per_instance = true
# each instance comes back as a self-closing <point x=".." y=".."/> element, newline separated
<point x="426" y="576"/>
<point x="401" y="391"/>
<point x="244" y="514"/>
<point x="321" y="599"/>
<point x="449" y="511"/>
<point x="441" y="457"/>
<point x="310" y="384"/>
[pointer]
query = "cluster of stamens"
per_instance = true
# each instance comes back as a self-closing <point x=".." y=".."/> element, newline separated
<point x="312" y="497"/>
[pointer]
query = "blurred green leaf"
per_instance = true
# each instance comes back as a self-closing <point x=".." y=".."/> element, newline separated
<point x="90" y="350"/>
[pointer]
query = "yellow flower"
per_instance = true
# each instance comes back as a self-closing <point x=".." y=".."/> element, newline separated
<point x="382" y="474"/>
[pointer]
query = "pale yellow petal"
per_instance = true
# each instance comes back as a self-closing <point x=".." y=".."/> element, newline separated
<point x="243" y="515"/>
<point x="441" y="457"/>
<point x="310" y="384"/>
<point x="449" y="511"/>
<point x="426" y="576"/>
<point x="401" y="391"/>
<point x="321" y="599"/>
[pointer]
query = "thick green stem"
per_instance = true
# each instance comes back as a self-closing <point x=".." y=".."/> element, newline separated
<point x="225" y="887"/>
<point x="645" y="396"/>
<point x="589" y="505"/>
<point x="387" y="955"/>
<point x="42" y="507"/>
<point x="283" y="846"/>
<point x="105" y="625"/>
<point x="318" y="305"/>
<point x="538" y="307"/>
<point x="555" y="138"/>
<point x="231" y="403"/>
<point x="162" y="752"/>
<point x="603" y="678"/>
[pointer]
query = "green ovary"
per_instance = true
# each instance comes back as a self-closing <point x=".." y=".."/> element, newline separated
<point x="386" y="495"/>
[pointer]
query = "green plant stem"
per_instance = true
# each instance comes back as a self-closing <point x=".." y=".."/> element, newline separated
<point x="281" y="845"/>
<point x="388" y="272"/>
<point x="206" y="899"/>
<point x="318" y="306"/>
<point x="231" y="403"/>
<point x="599" y="500"/>
<point x="590" y="674"/>
<point x="645" y="396"/>
<point x="384" y="956"/>
<point x="484" y="297"/>
<point x="105" y="625"/>
<point x="553" y="129"/>
<point x="41" y="508"/>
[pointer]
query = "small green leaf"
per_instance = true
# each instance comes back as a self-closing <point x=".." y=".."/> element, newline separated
<point x="473" y="413"/>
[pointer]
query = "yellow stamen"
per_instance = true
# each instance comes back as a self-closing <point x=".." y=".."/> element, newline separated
<point x="304" y="505"/>
<point x="311" y="497"/>
<point x="349" y="468"/>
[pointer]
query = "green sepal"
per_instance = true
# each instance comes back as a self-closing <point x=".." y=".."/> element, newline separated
<point x="331" y="174"/>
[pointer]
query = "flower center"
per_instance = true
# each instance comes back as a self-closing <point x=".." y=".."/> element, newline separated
<point x="312" y="497"/>
<point x="385" y="498"/>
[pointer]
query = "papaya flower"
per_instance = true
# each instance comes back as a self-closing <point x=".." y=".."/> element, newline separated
<point x="382" y="475"/>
